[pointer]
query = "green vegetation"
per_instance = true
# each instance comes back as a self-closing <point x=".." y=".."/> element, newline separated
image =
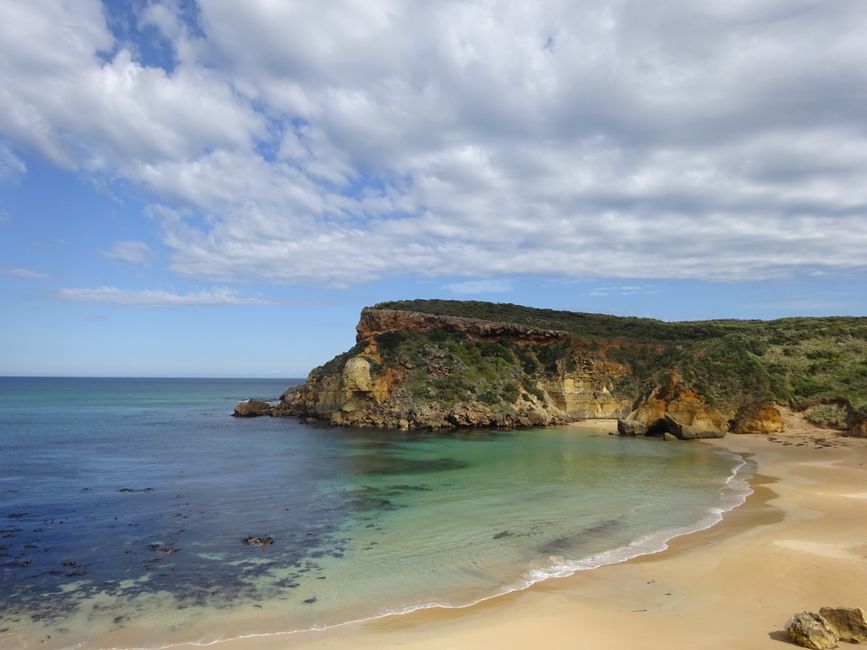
<point x="834" y="416"/>
<point x="448" y="368"/>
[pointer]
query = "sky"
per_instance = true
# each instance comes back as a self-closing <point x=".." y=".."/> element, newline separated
<point x="216" y="188"/>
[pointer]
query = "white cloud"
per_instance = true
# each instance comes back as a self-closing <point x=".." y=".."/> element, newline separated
<point x="24" y="274"/>
<point x="479" y="286"/>
<point x="157" y="297"/>
<point x="12" y="168"/>
<point x="134" y="252"/>
<point x="626" y="290"/>
<point x="339" y="143"/>
<point x="61" y="99"/>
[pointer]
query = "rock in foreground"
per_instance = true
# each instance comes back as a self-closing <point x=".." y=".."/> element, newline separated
<point x="825" y="629"/>
<point x="810" y="630"/>
<point x="847" y="623"/>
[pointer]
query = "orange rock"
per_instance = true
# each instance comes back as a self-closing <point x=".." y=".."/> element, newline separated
<point x="759" y="418"/>
<point x="675" y="402"/>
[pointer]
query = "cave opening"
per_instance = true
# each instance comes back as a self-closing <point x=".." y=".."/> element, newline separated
<point x="659" y="428"/>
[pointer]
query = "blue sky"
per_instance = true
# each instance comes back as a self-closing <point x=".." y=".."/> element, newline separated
<point x="217" y="188"/>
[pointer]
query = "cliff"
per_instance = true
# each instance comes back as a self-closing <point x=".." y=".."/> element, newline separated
<point x="447" y="364"/>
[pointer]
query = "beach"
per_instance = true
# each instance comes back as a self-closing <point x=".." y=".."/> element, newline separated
<point x="117" y="533"/>
<point x="798" y="543"/>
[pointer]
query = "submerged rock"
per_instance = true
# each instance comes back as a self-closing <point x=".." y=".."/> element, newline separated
<point x="810" y="630"/>
<point x="258" y="540"/>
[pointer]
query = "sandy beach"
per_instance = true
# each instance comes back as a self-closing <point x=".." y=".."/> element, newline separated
<point x="799" y="542"/>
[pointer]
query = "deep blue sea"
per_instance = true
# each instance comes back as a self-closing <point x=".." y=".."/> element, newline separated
<point x="124" y="504"/>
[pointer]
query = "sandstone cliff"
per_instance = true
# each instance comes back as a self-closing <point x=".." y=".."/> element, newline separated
<point x="414" y="370"/>
<point x="446" y="364"/>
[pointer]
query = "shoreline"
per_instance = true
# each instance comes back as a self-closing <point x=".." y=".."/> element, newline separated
<point x="799" y="541"/>
<point x="674" y="595"/>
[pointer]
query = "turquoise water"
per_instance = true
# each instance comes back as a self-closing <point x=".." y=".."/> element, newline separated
<point x="124" y="503"/>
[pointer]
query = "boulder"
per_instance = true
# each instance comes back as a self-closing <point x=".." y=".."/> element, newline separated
<point x="689" y="432"/>
<point x="846" y="622"/>
<point x="252" y="408"/>
<point x="810" y="630"/>
<point x="628" y="427"/>
<point x="669" y="436"/>
<point x="692" y="433"/>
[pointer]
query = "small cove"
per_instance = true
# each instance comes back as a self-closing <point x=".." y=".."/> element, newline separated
<point x="124" y="504"/>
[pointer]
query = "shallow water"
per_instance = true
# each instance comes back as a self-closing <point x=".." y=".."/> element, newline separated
<point x="123" y="505"/>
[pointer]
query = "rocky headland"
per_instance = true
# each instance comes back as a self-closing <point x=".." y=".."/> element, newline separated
<point x="449" y="364"/>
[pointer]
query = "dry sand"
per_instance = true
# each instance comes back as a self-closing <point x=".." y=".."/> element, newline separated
<point x="799" y="542"/>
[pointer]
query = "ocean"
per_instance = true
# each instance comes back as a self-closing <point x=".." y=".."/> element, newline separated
<point x="138" y="512"/>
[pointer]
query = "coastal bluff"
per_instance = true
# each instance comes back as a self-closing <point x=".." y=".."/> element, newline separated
<point x="437" y="364"/>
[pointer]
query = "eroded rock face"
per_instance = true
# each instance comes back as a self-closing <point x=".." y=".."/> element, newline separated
<point x="367" y="391"/>
<point x="846" y="622"/>
<point x="357" y="387"/>
<point x="682" y="405"/>
<point x="676" y="409"/>
<point x="758" y="418"/>
<point x="356" y="375"/>
<point x="810" y="630"/>
<point x="437" y="371"/>
<point x="585" y="392"/>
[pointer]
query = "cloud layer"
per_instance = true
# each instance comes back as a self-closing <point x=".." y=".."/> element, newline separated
<point x="291" y="142"/>
<point x="157" y="298"/>
<point x="24" y="274"/>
